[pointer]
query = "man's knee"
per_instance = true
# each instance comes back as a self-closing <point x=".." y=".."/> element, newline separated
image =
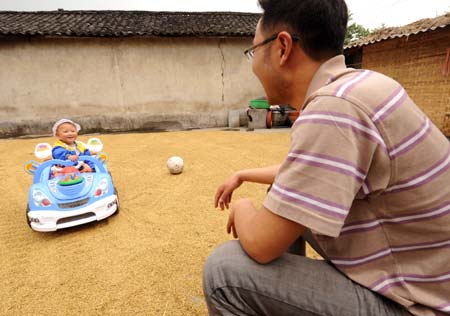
<point x="218" y="259"/>
<point x="220" y="264"/>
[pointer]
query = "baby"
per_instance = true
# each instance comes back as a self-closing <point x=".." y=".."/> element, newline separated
<point x="66" y="147"/>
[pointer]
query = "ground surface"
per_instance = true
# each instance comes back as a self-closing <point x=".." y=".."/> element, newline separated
<point x="145" y="261"/>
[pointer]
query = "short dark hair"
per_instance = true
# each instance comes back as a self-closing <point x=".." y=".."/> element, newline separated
<point x="320" y="24"/>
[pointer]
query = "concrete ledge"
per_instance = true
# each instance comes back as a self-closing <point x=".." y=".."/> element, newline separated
<point x="233" y="119"/>
<point x="128" y="122"/>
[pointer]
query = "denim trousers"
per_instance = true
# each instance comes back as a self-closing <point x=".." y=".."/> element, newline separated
<point x="234" y="284"/>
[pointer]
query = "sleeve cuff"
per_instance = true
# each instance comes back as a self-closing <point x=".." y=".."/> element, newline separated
<point x="309" y="219"/>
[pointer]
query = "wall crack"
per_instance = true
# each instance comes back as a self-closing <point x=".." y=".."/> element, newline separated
<point x="222" y="68"/>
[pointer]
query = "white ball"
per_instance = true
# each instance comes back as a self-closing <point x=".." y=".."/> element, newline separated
<point x="175" y="164"/>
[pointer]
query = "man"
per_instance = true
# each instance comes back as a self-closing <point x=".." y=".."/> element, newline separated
<point x="367" y="176"/>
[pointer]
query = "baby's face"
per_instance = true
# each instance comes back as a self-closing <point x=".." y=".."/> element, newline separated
<point x="67" y="133"/>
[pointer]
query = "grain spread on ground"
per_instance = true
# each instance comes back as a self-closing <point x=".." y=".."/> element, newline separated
<point x="148" y="259"/>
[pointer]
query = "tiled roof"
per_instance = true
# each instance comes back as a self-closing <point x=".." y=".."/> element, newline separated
<point x="127" y="23"/>
<point x="420" y="26"/>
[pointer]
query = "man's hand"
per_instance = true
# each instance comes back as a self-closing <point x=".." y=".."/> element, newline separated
<point x="239" y="204"/>
<point x="230" y="224"/>
<point x="225" y="191"/>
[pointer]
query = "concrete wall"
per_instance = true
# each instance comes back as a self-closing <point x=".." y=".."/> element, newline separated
<point x="417" y="63"/>
<point x="122" y="84"/>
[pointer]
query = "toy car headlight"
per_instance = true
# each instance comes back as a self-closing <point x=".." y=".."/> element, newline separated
<point x="40" y="199"/>
<point x="102" y="187"/>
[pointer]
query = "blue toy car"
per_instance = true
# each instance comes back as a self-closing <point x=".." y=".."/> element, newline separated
<point x="69" y="198"/>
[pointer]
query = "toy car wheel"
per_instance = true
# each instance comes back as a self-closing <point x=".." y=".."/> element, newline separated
<point x="26" y="214"/>
<point x="118" y="205"/>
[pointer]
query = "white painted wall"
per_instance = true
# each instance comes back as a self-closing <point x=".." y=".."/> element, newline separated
<point x="122" y="83"/>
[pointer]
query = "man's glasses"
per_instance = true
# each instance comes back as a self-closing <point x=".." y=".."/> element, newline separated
<point x="250" y="52"/>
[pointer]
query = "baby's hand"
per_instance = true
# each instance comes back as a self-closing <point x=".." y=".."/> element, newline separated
<point x="73" y="157"/>
<point x="86" y="168"/>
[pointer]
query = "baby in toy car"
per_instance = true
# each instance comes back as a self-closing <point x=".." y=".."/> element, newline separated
<point x="67" y="148"/>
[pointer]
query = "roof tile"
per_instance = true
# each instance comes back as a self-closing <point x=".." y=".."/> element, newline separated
<point x="128" y="23"/>
<point x="424" y="25"/>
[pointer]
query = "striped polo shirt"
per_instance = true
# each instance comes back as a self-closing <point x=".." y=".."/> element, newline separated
<point x="369" y="174"/>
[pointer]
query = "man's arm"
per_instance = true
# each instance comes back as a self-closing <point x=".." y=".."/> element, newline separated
<point x="264" y="175"/>
<point x="263" y="235"/>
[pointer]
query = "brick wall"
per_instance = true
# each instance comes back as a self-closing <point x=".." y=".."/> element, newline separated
<point x="417" y="63"/>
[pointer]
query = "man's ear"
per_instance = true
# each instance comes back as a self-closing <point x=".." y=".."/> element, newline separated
<point x="285" y="46"/>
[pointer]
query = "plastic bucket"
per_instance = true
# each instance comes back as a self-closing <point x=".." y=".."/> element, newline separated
<point x="259" y="104"/>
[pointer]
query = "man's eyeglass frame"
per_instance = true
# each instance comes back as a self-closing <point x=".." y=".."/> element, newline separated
<point x="250" y="52"/>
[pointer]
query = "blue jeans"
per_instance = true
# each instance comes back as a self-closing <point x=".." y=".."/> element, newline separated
<point x="234" y="284"/>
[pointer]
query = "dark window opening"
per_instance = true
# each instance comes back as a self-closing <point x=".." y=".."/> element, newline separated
<point x="353" y="58"/>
